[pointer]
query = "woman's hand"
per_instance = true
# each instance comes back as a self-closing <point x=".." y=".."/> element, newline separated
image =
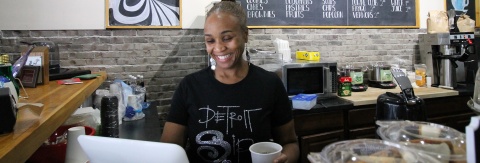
<point x="281" y="159"/>
<point x="285" y="136"/>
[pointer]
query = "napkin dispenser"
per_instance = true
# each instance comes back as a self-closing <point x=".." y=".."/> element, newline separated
<point x="8" y="111"/>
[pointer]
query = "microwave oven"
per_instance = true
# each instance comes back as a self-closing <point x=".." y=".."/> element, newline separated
<point x="309" y="77"/>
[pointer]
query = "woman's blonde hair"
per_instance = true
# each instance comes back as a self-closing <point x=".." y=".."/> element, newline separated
<point x="232" y="8"/>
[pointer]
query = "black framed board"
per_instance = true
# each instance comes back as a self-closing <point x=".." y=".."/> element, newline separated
<point x="143" y="13"/>
<point x="331" y="13"/>
<point x="467" y="7"/>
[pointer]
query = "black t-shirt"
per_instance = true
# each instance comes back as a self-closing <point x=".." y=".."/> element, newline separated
<point x="223" y="120"/>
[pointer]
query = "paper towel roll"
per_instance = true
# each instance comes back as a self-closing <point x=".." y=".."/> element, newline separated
<point x="109" y="116"/>
<point x="74" y="152"/>
<point x="116" y="90"/>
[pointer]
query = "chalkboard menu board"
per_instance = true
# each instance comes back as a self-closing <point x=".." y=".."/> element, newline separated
<point x="331" y="13"/>
<point x="462" y="7"/>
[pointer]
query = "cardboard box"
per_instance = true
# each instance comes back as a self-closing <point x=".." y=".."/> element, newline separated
<point x="313" y="56"/>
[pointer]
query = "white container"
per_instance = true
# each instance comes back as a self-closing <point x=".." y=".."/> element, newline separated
<point x="265" y="152"/>
<point x="476" y="91"/>
<point x="442" y="143"/>
<point x="304" y="101"/>
<point x="367" y="150"/>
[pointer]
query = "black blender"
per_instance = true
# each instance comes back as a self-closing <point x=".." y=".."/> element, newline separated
<point x="379" y="76"/>
<point x="356" y="73"/>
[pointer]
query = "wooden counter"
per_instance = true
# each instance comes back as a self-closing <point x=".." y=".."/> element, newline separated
<point x="31" y="129"/>
<point x="370" y="96"/>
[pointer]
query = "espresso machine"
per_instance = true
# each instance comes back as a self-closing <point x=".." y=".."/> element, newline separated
<point x="450" y="58"/>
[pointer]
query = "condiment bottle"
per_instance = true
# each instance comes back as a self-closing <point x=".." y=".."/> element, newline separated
<point x="420" y="74"/>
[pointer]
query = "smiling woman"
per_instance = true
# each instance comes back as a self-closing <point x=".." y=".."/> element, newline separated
<point x="221" y="111"/>
<point x="143" y="14"/>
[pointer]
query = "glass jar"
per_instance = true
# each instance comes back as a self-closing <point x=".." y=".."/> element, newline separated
<point x="420" y="75"/>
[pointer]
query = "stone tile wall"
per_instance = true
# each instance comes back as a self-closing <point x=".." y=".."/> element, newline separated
<point x="165" y="56"/>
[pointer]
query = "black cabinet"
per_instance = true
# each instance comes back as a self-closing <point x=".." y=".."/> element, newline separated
<point x="316" y="142"/>
<point x="449" y="111"/>
<point x="317" y="130"/>
<point x="361" y="122"/>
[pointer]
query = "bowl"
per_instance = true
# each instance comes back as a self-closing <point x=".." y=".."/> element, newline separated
<point x="54" y="149"/>
<point x="443" y="143"/>
<point x="370" y="150"/>
<point x="472" y="106"/>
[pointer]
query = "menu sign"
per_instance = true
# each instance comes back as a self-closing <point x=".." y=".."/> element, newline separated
<point x="463" y="7"/>
<point x="331" y="12"/>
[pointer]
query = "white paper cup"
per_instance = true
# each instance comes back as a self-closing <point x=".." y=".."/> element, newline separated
<point x="265" y="152"/>
<point x="74" y="152"/>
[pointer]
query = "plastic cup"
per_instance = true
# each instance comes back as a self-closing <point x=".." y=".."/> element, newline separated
<point x="264" y="152"/>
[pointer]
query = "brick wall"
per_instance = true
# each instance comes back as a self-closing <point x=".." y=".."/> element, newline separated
<point x="165" y="56"/>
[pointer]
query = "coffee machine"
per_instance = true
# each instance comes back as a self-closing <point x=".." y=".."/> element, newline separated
<point x="450" y="58"/>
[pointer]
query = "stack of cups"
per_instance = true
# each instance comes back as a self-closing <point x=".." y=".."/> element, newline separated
<point x="109" y="116"/>
<point x="283" y="47"/>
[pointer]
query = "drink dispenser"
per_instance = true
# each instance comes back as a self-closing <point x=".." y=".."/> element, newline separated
<point x="450" y="58"/>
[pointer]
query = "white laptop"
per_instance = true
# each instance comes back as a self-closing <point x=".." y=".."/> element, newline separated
<point x="108" y="150"/>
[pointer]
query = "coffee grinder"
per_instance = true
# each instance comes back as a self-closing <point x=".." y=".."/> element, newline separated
<point x="356" y="73"/>
<point x="450" y="58"/>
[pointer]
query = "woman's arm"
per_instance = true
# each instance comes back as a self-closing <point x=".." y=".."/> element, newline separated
<point x="174" y="133"/>
<point x="285" y="136"/>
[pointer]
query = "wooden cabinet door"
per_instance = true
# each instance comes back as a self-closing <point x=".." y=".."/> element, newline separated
<point x="361" y="123"/>
<point x="446" y="106"/>
<point x="316" y="142"/>
<point x="308" y="124"/>
<point x="449" y="111"/>
<point x="458" y="122"/>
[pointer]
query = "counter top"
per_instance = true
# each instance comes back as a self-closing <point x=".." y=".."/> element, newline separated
<point x="148" y="128"/>
<point x="325" y="105"/>
<point x="370" y="96"/>
<point x="35" y="124"/>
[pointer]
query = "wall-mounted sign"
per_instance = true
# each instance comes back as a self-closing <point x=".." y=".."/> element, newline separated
<point x="143" y="14"/>
<point x="467" y="7"/>
<point x="331" y="13"/>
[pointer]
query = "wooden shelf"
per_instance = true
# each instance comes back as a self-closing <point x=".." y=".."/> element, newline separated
<point x="32" y="128"/>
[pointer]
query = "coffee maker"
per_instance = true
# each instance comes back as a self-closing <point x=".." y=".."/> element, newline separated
<point x="450" y="58"/>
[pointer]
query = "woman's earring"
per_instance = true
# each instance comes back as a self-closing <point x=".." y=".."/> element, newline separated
<point x="212" y="64"/>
